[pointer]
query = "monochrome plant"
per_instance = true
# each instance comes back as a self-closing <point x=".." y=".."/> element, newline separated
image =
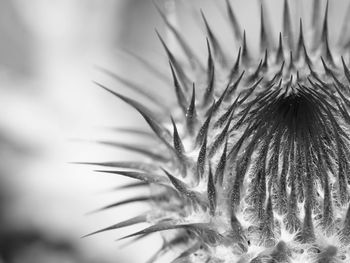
<point x="252" y="163"/>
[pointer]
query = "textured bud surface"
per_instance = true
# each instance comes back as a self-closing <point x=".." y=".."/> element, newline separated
<point x="253" y="166"/>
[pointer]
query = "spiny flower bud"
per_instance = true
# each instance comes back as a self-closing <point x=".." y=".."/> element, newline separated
<point x="253" y="166"/>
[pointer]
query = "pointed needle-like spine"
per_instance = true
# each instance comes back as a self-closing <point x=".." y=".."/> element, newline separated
<point x="201" y="160"/>
<point x="301" y="49"/>
<point x="234" y="86"/>
<point x="144" y="198"/>
<point x="220" y="170"/>
<point x="135" y="87"/>
<point x="163" y="226"/>
<point x="218" y="52"/>
<point x="291" y="62"/>
<point x="324" y="38"/>
<point x="145" y="177"/>
<point x="194" y="61"/>
<point x="179" y="70"/>
<point x="137" y="149"/>
<point x="191" y="114"/>
<point x="178" y="145"/>
<point x="265" y="65"/>
<point x="132" y="221"/>
<point x="235" y="67"/>
<point x="211" y="192"/>
<point x="221" y="121"/>
<point x="245" y="52"/>
<point x="220" y="139"/>
<point x="181" y="98"/>
<point x="210" y="77"/>
<point x="160" y="131"/>
<point x="280" y="51"/>
<point x="203" y="131"/>
<point x="182" y="188"/>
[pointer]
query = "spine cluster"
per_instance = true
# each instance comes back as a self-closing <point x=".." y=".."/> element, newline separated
<point x="253" y="165"/>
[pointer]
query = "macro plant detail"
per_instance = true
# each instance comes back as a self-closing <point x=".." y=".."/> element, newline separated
<point x="252" y="163"/>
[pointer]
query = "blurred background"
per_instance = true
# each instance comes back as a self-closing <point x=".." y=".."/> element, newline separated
<point x="48" y="54"/>
<point x="51" y="114"/>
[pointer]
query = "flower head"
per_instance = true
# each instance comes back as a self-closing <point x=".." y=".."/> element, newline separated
<point x="253" y="165"/>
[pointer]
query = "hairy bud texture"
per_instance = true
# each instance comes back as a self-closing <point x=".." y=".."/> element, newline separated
<point x="253" y="165"/>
